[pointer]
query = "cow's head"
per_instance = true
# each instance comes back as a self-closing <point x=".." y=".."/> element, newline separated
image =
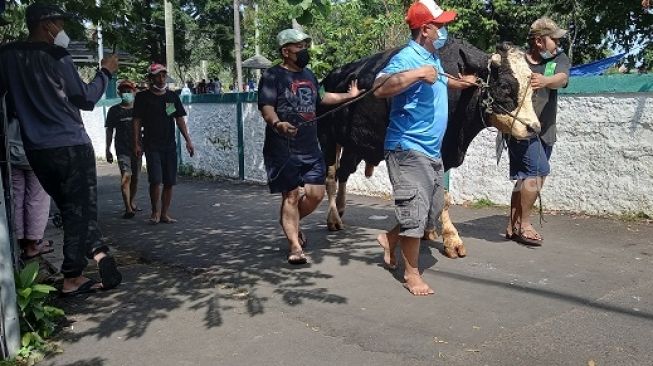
<point x="510" y="89"/>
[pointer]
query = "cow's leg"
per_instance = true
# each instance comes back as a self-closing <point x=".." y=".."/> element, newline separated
<point x="341" y="198"/>
<point x="453" y="245"/>
<point x="369" y="170"/>
<point x="334" y="222"/>
<point x="347" y="165"/>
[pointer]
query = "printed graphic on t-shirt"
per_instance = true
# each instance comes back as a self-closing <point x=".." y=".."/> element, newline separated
<point x="170" y="109"/>
<point x="301" y="95"/>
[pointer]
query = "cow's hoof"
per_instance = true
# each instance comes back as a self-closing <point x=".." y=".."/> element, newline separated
<point x="462" y="251"/>
<point x="341" y="213"/>
<point x="451" y="253"/>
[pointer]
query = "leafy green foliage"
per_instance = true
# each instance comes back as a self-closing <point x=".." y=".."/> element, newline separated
<point x="37" y="318"/>
<point x="342" y="29"/>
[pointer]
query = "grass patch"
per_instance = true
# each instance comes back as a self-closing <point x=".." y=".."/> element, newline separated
<point x="188" y="171"/>
<point x="483" y="203"/>
<point x="635" y="216"/>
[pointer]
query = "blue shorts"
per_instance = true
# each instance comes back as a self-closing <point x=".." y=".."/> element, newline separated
<point x="287" y="173"/>
<point x="529" y="158"/>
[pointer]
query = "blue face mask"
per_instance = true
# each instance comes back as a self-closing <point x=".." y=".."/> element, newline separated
<point x="443" y="34"/>
<point x="127" y="98"/>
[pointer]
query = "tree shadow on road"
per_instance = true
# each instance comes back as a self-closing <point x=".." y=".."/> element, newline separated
<point x="226" y="253"/>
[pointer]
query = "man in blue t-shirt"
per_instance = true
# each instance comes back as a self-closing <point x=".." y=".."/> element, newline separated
<point x="288" y="97"/>
<point x="414" y="80"/>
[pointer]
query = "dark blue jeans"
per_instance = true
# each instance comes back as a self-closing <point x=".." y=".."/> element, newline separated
<point x="69" y="176"/>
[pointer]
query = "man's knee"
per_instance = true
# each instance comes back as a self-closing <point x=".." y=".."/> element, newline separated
<point x="315" y="194"/>
<point x="291" y="197"/>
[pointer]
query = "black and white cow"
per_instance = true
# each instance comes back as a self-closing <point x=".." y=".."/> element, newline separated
<point x="356" y="133"/>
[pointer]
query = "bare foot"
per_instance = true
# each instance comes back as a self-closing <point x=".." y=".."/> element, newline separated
<point x="154" y="219"/>
<point x="417" y="286"/>
<point x="389" y="257"/>
<point x="167" y="219"/>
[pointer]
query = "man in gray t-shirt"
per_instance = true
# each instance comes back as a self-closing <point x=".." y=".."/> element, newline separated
<point x="119" y="118"/>
<point x="44" y="91"/>
<point x="529" y="159"/>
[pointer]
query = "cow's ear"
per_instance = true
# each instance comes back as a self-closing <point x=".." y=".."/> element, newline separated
<point x="495" y="59"/>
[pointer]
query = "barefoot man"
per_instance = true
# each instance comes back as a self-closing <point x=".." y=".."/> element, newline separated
<point x="418" y="119"/>
<point x="157" y="110"/>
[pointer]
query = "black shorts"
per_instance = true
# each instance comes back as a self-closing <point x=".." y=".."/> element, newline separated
<point x="162" y="166"/>
<point x="287" y="173"/>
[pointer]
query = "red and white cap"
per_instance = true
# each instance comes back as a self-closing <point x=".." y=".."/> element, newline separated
<point x="156" y="68"/>
<point x="427" y="11"/>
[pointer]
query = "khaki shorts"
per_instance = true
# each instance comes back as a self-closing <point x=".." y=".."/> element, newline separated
<point x="129" y="165"/>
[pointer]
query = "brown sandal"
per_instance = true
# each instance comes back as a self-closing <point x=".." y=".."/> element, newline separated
<point x="522" y="239"/>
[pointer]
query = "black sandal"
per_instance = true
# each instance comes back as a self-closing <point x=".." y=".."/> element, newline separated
<point x="84" y="288"/>
<point x="297" y="257"/>
<point x="109" y="273"/>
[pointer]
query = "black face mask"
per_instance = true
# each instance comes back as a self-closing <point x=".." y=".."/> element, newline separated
<point x="303" y="58"/>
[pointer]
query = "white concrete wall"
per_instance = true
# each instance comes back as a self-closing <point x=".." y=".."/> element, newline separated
<point x="602" y="163"/>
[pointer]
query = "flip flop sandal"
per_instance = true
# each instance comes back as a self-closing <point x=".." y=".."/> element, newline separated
<point x="45" y="248"/>
<point x="47" y="244"/>
<point x="297" y="258"/>
<point x="109" y="273"/>
<point x="521" y="239"/>
<point x="128" y="215"/>
<point x="168" y="221"/>
<point x="152" y="221"/>
<point x="84" y="288"/>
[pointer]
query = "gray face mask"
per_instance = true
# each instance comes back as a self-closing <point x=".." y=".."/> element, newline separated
<point x="548" y="55"/>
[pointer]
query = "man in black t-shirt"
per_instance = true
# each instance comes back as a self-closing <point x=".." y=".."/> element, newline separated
<point x="288" y="96"/>
<point x="157" y="110"/>
<point x="529" y="159"/>
<point x="119" y="118"/>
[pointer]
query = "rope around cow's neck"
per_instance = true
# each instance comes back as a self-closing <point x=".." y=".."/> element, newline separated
<point x="481" y="85"/>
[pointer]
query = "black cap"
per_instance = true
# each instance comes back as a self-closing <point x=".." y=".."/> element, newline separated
<point x="38" y="12"/>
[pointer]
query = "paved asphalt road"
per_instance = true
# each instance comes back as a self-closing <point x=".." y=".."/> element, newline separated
<point x="214" y="289"/>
